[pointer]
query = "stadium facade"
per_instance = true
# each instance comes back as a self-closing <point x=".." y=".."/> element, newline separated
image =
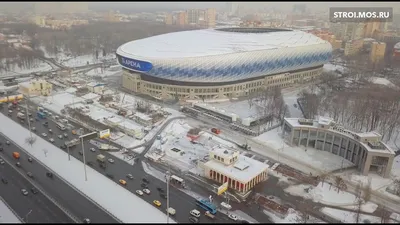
<point x="221" y="63"/>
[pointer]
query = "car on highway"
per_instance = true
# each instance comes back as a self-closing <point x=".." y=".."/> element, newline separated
<point x="30" y="159"/>
<point x="29" y="174"/>
<point x="44" y="134"/>
<point x="46" y="124"/>
<point x="122" y="182"/>
<point x="65" y="135"/>
<point x="86" y="220"/>
<point x="8" y="142"/>
<point x="193" y="219"/>
<point x="80" y="153"/>
<point x="195" y="213"/>
<point x="34" y="129"/>
<point x="1" y="149"/>
<point x="18" y="164"/>
<point x="162" y="195"/>
<point x="4" y="180"/>
<point x="2" y="162"/>
<point x="34" y="191"/>
<point x="31" y="119"/>
<point x="139" y="192"/>
<point x="143" y="185"/>
<point x="129" y="176"/>
<point x="232" y="217"/>
<point x="160" y="189"/>
<point x="145" y="180"/>
<point x="157" y="203"/>
<point x="51" y="140"/>
<point x="24" y="192"/>
<point x="226" y="205"/>
<point x="92" y="149"/>
<point x="111" y="160"/>
<point x="60" y="136"/>
<point x="50" y="131"/>
<point x="147" y="191"/>
<point x="63" y="146"/>
<point x="49" y="174"/>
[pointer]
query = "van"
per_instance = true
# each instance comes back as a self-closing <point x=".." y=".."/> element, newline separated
<point x="195" y="213"/>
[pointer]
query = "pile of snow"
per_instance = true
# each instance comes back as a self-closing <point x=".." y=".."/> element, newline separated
<point x="331" y="67"/>
<point x="124" y="205"/>
<point x="381" y="81"/>
<point x="292" y="217"/>
<point x="350" y="217"/>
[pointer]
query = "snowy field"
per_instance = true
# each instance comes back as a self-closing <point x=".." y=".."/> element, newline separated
<point x="240" y="108"/>
<point x="174" y="136"/>
<point x="7" y="216"/>
<point x="39" y="67"/>
<point x="124" y="205"/>
<point x="330" y="67"/>
<point x="318" y="159"/>
<point x="292" y="217"/>
<point x="57" y="101"/>
<point x="327" y="194"/>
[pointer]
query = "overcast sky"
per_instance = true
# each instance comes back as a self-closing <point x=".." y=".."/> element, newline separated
<point x="168" y="6"/>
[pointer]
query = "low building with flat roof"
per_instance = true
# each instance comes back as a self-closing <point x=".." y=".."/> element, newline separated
<point x="242" y="173"/>
<point x="365" y="150"/>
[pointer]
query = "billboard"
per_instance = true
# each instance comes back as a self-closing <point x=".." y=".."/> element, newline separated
<point x="134" y="64"/>
<point x="222" y="188"/>
<point x="104" y="133"/>
<point x="88" y="136"/>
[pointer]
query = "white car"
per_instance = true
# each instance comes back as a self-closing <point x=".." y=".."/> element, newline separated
<point x="139" y="192"/>
<point x="44" y="134"/>
<point x="111" y="160"/>
<point x="226" y="205"/>
<point x="92" y="149"/>
<point x="147" y="191"/>
<point x="51" y="140"/>
<point x="60" y="136"/>
<point x="233" y="217"/>
<point x="195" y="213"/>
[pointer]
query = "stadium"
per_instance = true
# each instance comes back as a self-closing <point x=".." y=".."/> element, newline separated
<point x="214" y="64"/>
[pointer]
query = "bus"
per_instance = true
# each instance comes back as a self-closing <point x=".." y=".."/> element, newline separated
<point x="60" y="126"/>
<point x="207" y="205"/>
<point x="177" y="180"/>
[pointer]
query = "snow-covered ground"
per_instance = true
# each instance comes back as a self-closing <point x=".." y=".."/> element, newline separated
<point x="174" y="136"/>
<point x="350" y="217"/>
<point x="330" y="67"/>
<point x="84" y="60"/>
<point x="124" y="205"/>
<point x="106" y="73"/>
<point x="327" y="194"/>
<point x="57" y="101"/>
<point x="292" y="217"/>
<point x="381" y="81"/>
<point x="320" y="159"/>
<point x="7" y="216"/>
<point x="240" y="108"/>
<point x="39" y="67"/>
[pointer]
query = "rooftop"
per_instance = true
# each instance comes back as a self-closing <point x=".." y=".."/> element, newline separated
<point x="243" y="170"/>
<point x="298" y="122"/>
<point x="197" y="43"/>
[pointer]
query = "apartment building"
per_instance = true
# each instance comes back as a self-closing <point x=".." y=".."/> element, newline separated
<point x="377" y="53"/>
<point x="353" y="47"/>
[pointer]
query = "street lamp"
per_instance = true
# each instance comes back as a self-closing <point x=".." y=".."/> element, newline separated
<point x="26" y="216"/>
<point x="168" y="177"/>
<point x="84" y="158"/>
<point x="27" y="118"/>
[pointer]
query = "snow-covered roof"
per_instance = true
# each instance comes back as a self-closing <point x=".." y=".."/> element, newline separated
<point x="196" y="43"/>
<point x="142" y="116"/>
<point x="243" y="170"/>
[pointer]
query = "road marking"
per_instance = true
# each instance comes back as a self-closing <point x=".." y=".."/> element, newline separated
<point x="70" y="215"/>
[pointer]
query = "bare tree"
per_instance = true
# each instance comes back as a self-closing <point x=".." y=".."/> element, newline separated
<point x="385" y="215"/>
<point x="338" y="183"/>
<point x="357" y="215"/>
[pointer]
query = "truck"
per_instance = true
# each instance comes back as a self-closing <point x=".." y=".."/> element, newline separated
<point x="41" y="115"/>
<point x="20" y="115"/>
<point x="72" y="142"/>
<point x="16" y="155"/>
<point x="101" y="158"/>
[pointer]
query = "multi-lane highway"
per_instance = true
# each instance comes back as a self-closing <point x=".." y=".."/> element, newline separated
<point x="33" y="208"/>
<point x="182" y="202"/>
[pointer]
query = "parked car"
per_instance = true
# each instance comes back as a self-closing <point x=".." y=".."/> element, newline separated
<point x="232" y="217"/>
<point x="139" y="192"/>
<point x="34" y="191"/>
<point x="24" y="192"/>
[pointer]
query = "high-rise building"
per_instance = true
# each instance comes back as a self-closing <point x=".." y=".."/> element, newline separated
<point x="210" y="16"/>
<point x="192" y="16"/>
<point x="231" y="8"/>
<point x="181" y="19"/>
<point x="371" y="29"/>
<point x="60" y="7"/>
<point x="377" y="52"/>
<point x="347" y="31"/>
<point x="169" y="19"/>
<point x="353" y="47"/>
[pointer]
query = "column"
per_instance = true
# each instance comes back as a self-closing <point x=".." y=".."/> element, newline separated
<point x="333" y="140"/>
<point x="388" y="167"/>
<point x="308" y="138"/>
<point x="300" y="137"/>
<point x="316" y="140"/>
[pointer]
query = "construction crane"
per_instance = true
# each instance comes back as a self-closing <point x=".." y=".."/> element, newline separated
<point x="121" y="111"/>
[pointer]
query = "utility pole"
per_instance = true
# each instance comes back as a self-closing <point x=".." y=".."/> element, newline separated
<point x="27" y="118"/>
<point x="69" y="155"/>
<point x="84" y="158"/>
<point x="168" y="177"/>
